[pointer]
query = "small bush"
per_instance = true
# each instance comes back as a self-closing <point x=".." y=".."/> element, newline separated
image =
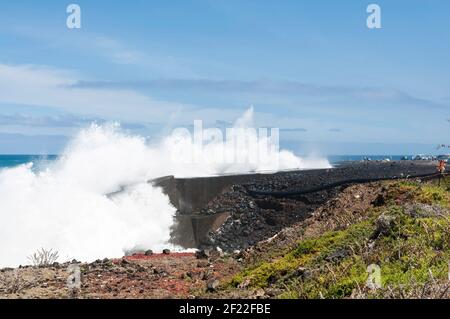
<point x="43" y="257"/>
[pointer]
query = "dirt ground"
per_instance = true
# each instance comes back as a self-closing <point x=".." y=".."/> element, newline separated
<point x="175" y="275"/>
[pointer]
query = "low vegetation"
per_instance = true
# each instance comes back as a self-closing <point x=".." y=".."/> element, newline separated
<point x="43" y="257"/>
<point x="405" y="235"/>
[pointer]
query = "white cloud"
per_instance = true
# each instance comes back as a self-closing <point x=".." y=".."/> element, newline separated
<point x="43" y="86"/>
<point x="110" y="49"/>
<point x="50" y="87"/>
<point x="117" y="52"/>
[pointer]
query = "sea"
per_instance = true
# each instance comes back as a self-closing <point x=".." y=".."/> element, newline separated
<point x="7" y="161"/>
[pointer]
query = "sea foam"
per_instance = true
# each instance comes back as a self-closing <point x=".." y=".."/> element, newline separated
<point x="66" y="205"/>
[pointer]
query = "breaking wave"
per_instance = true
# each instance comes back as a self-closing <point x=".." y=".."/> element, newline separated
<point x="65" y="206"/>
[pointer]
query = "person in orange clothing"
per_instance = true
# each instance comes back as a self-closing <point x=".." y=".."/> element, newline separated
<point x="441" y="166"/>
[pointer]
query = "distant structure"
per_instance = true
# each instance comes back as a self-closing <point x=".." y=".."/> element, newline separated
<point x="440" y="146"/>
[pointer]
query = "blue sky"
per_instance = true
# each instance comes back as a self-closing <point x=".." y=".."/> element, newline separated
<point x="311" y="68"/>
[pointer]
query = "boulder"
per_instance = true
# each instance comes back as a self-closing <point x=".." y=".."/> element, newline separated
<point x="148" y="252"/>
<point x="202" y="254"/>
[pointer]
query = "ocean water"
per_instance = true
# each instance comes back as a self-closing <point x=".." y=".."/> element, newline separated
<point x="345" y="158"/>
<point x="15" y="160"/>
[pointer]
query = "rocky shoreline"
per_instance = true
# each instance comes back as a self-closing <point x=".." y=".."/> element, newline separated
<point x="256" y="218"/>
<point x="273" y="247"/>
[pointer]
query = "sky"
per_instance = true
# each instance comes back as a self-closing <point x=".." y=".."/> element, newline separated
<point x="311" y="68"/>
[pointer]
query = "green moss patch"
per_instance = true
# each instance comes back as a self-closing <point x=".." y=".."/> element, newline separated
<point x="410" y="249"/>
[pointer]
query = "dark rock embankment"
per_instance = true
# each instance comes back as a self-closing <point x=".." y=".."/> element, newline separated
<point x="253" y="218"/>
<point x="303" y="180"/>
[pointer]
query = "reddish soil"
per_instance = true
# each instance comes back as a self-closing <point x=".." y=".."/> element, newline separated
<point x="175" y="275"/>
<point x="157" y="256"/>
